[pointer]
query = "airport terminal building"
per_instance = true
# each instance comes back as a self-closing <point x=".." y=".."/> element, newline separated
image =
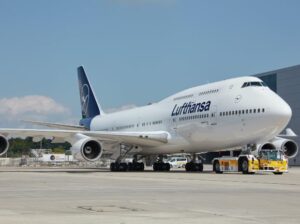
<point x="286" y="82"/>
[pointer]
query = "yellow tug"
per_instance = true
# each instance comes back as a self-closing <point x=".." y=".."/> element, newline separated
<point x="267" y="160"/>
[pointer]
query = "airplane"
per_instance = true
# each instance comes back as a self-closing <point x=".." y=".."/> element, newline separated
<point x="235" y="113"/>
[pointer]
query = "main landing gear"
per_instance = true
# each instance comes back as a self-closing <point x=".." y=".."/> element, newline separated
<point x="123" y="167"/>
<point x="160" y="165"/>
<point x="195" y="165"/>
<point x="118" y="166"/>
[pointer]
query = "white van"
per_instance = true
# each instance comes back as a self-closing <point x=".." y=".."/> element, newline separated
<point x="178" y="162"/>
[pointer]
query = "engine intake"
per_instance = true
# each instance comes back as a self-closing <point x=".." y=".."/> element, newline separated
<point x="267" y="145"/>
<point x="4" y="145"/>
<point x="289" y="147"/>
<point x="91" y="150"/>
<point x="87" y="149"/>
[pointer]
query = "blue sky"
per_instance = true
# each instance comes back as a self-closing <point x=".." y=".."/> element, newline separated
<point x="137" y="51"/>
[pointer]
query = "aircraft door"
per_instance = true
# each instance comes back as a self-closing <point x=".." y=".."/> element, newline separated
<point x="213" y="116"/>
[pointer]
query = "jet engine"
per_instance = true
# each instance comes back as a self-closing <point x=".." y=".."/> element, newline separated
<point x="289" y="147"/>
<point x="4" y="145"/>
<point x="267" y="145"/>
<point x="87" y="149"/>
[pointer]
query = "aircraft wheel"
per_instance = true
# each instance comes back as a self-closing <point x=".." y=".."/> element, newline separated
<point x="161" y="167"/>
<point x="139" y="167"/>
<point x="142" y="167"/>
<point x="278" y="173"/>
<point x="156" y="167"/>
<point x="113" y="167"/>
<point x="123" y="167"/>
<point x="188" y="167"/>
<point x="167" y="167"/>
<point x="131" y="167"/>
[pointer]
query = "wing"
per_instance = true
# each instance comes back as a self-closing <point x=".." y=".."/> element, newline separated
<point x="56" y="125"/>
<point x="132" y="138"/>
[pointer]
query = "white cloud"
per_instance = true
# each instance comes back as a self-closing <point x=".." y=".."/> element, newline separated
<point x="35" y="104"/>
<point x="34" y="107"/>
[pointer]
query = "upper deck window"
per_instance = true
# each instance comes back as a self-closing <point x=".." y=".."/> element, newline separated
<point x="247" y="84"/>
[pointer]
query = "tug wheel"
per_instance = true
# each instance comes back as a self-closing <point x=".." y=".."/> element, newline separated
<point x="217" y="167"/>
<point x="245" y="166"/>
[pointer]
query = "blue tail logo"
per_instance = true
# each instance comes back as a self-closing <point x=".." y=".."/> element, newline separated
<point x="85" y="97"/>
<point x="89" y="105"/>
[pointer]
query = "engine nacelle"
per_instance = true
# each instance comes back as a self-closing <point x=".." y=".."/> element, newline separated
<point x="87" y="149"/>
<point x="289" y="147"/>
<point x="267" y="145"/>
<point x="4" y="145"/>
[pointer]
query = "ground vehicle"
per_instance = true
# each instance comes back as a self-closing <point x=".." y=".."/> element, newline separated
<point x="178" y="162"/>
<point x="265" y="161"/>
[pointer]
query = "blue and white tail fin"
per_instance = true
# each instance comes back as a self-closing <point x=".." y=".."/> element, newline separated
<point x="89" y="105"/>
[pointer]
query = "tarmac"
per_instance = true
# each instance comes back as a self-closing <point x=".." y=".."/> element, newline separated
<point x="98" y="196"/>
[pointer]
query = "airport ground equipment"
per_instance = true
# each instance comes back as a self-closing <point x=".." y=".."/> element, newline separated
<point x="178" y="162"/>
<point x="267" y="160"/>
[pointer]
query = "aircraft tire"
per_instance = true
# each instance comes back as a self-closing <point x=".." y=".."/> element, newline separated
<point x="123" y="167"/>
<point x="161" y="166"/>
<point x="188" y="167"/>
<point x="114" y="167"/>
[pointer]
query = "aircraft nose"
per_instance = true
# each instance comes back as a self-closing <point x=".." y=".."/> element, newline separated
<point x="286" y="111"/>
<point x="283" y="112"/>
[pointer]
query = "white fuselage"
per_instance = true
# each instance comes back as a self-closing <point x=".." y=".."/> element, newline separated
<point x="212" y="117"/>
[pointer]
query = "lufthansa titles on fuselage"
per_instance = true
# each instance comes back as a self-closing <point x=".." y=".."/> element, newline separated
<point x="190" y="108"/>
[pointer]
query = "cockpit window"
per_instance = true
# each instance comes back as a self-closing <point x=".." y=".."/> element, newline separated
<point x="247" y="84"/>
<point x="264" y="84"/>
<point x="256" y="84"/>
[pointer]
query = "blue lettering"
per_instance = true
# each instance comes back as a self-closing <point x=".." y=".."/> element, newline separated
<point x="190" y="108"/>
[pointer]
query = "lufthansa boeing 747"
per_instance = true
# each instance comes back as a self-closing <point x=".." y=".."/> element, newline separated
<point x="235" y="113"/>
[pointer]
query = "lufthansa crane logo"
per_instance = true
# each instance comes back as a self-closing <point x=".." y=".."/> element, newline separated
<point x="85" y="97"/>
